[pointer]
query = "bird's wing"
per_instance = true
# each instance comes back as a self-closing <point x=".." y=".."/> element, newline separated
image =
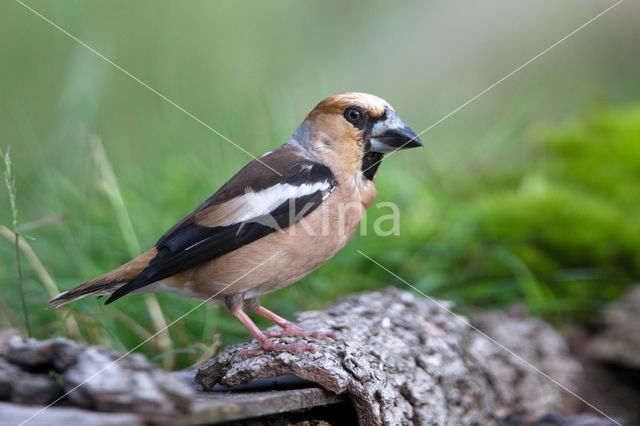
<point x="252" y="204"/>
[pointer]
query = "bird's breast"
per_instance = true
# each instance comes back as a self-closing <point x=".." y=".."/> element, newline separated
<point x="291" y="253"/>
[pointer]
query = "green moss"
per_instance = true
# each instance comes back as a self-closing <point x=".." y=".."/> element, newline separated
<point x="576" y="207"/>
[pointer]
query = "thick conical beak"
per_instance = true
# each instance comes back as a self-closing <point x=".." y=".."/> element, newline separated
<point x="392" y="134"/>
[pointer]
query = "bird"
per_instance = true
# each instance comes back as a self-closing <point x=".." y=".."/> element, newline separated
<point x="279" y="218"/>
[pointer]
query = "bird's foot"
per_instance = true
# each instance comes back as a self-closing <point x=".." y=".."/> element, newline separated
<point x="269" y="346"/>
<point x="292" y="330"/>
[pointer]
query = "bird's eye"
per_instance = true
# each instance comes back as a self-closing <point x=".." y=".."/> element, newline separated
<point x="355" y="116"/>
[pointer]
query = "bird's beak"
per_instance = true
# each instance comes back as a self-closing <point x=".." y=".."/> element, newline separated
<point x="392" y="134"/>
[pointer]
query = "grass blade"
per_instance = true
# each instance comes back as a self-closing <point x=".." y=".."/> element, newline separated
<point x="71" y="326"/>
<point x="110" y="185"/>
<point x="10" y="183"/>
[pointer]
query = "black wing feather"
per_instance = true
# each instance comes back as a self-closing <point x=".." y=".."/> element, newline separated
<point x="191" y="244"/>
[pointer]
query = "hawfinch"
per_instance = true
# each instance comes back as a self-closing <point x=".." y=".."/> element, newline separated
<point x="279" y="218"/>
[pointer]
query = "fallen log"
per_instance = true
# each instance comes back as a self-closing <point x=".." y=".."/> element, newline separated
<point x="91" y="377"/>
<point x="618" y="343"/>
<point x="403" y="359"/>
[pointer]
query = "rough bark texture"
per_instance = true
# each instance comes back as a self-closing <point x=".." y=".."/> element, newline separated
<point x="528" y="344"/>
<point x="403" y="359"/>
<point x="584" y="419"/>
<point x="619" y="341"/>
<point x="611" y="358"/>
<point x="14" y="414"/>
<point x="39" y="372"/>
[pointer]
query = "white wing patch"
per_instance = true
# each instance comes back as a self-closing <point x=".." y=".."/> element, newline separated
<point x="263" y="202"/>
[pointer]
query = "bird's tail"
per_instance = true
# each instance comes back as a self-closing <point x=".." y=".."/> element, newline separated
<point x="107" y="283"/>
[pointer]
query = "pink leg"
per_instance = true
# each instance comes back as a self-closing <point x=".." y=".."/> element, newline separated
<point x="265" y="344"/>
<point x="289" y="328"/>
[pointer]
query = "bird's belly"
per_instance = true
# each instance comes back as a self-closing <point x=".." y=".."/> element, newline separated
<point x="280" y="258"/>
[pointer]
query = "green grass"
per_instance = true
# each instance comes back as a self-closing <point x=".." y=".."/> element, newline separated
<point x="10" y="185"/>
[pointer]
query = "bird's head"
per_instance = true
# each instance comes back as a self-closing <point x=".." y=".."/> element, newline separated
<point x="344" y="128"/>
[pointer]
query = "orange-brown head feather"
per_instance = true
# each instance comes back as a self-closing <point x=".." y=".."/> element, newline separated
<point x="336" y="141"/>
<point x="336" y="104"/>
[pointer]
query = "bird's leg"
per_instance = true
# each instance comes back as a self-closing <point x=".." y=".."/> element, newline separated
<point x="289" y="329"/>
<point x="265" y="344"/>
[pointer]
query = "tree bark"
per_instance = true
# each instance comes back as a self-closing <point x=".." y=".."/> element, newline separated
<point x="402" y="359"/>
<point x="618" y="342"/>
<point x="39" y="372"/>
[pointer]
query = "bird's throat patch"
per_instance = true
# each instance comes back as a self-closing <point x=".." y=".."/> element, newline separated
<point x="370" y="163"/>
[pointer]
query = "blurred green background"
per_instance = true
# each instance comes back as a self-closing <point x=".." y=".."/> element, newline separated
<point x="530" y="194"/>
